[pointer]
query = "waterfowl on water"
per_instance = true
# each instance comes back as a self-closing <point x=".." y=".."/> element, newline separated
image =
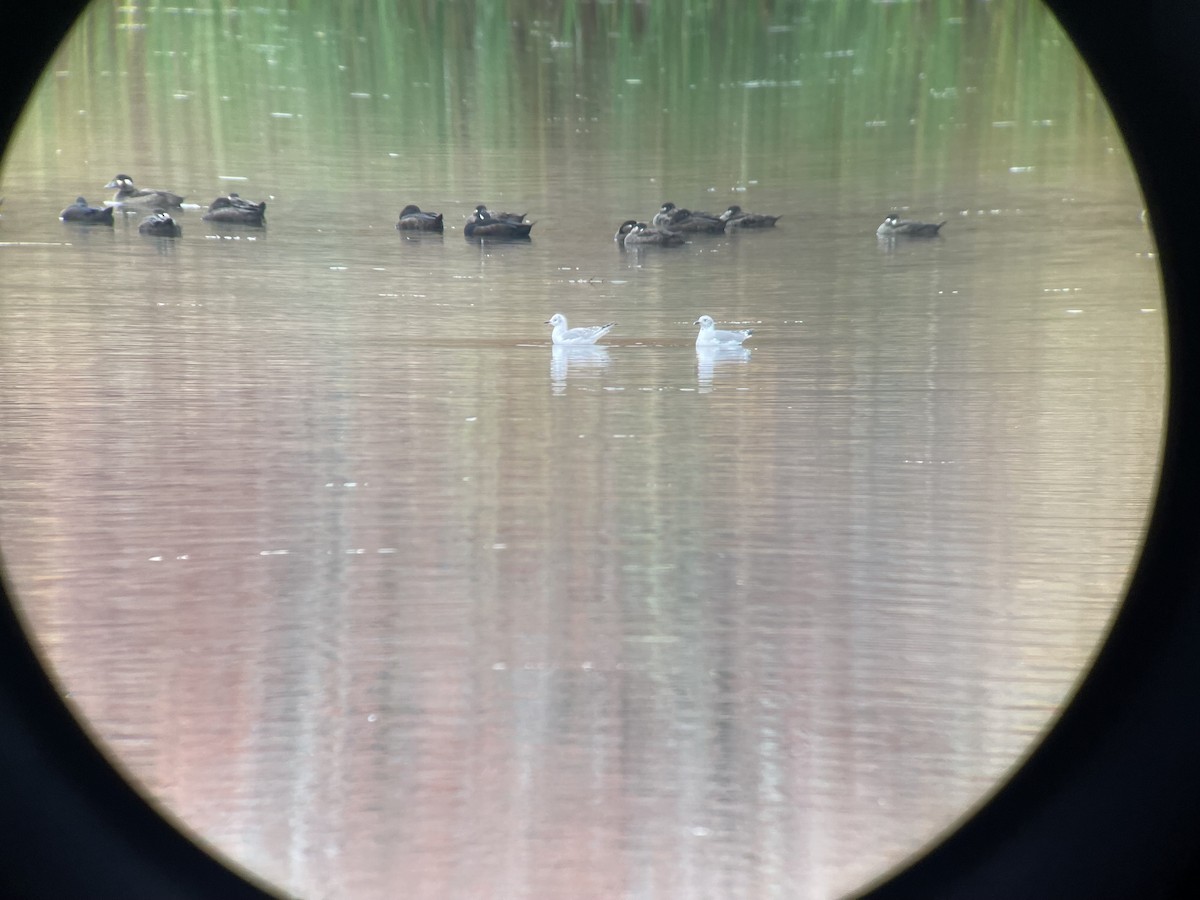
<point x="563" y="336"/>
<point x="736" y="217"/>
<point x="674" y="218"/>
<point x="483" y="225"/>
<point x="413" y="218"/>
<point x="627" y="226"/>
<point x="128" y="195"/>
<point x="643" y="235"/>
<point x="669" y="213"/>
<point x="894" y="225"/>
<point x="82" y="214"/>
<point x="710" y="336"/>
<point x="514" y="218"/>
<point x="236" y="210"/>
<point x="665" y="214"/>
<point x="159" y="225"/>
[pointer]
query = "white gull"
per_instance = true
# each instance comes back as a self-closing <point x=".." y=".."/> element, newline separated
<point x="715" y="337"/>
<point x="568" y="337"/>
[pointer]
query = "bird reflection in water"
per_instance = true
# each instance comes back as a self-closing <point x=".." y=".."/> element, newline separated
<point x="563" y="358"/>
<point x="709" y="356"/>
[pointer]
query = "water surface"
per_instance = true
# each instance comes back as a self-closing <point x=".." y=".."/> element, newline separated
<point x="372" y="589"/>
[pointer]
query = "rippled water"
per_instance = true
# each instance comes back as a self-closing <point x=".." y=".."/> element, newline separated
<point x="372" y="587"/>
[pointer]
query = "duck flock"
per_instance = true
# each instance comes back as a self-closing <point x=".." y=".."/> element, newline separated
<point x="669" y="227"/>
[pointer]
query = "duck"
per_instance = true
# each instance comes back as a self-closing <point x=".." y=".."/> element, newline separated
<point x="562" y="336"/>
<point x="667" y="213"/>
<point x="627" y="226"/>
<point x="413" y="218"/>
<point x="483" y="225"/>
<point x="643" y="235"/>
<point x="894" y="225"/>
<point x="711" y="336"/>
<point x="676" y="219"/>
<point x="736" y="217"/>
<point x="159" y="225"/>
<point x="236" y="210"/>
<point x="81" y="214"/>
<point x="128" y="195"/>
<point x="515" y="218"/>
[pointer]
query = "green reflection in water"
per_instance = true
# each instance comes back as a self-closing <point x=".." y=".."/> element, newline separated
<point x="501" y="88"/>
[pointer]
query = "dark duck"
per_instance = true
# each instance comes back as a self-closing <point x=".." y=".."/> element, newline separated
<point x="159" y="225"/>
<point x="413" y="218"/>
<point x="482" y="224"/>
<point x="893" y="225"/>
<point x="129" y="195"/>
<point x="514" y="218"/>
<point x="643" y="235"/>
<point x="235" y="210"/>
<point x="674" y="218"/>
<point x="82" y="214"/>
<point x="736" y="217"/>
<point x="627" y="226"/>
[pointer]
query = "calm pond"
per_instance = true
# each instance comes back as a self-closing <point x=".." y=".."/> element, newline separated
<point x="376" y="592"/>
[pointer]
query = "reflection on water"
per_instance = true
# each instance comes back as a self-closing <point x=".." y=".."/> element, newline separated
<point x="709" y="357"/>
<point x="580" y="359"/>
<point x="317" y="554"/>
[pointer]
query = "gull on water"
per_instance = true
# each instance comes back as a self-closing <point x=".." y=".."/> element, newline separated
<point x="715" y="337"/>
<point x="575" y="337"/>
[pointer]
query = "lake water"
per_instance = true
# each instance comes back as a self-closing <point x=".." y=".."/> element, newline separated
<point x="374" y="590"/>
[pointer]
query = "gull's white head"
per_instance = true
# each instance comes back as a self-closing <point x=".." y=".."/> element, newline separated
<point x="557" y="319"/>
<point x="704" y="322"/>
